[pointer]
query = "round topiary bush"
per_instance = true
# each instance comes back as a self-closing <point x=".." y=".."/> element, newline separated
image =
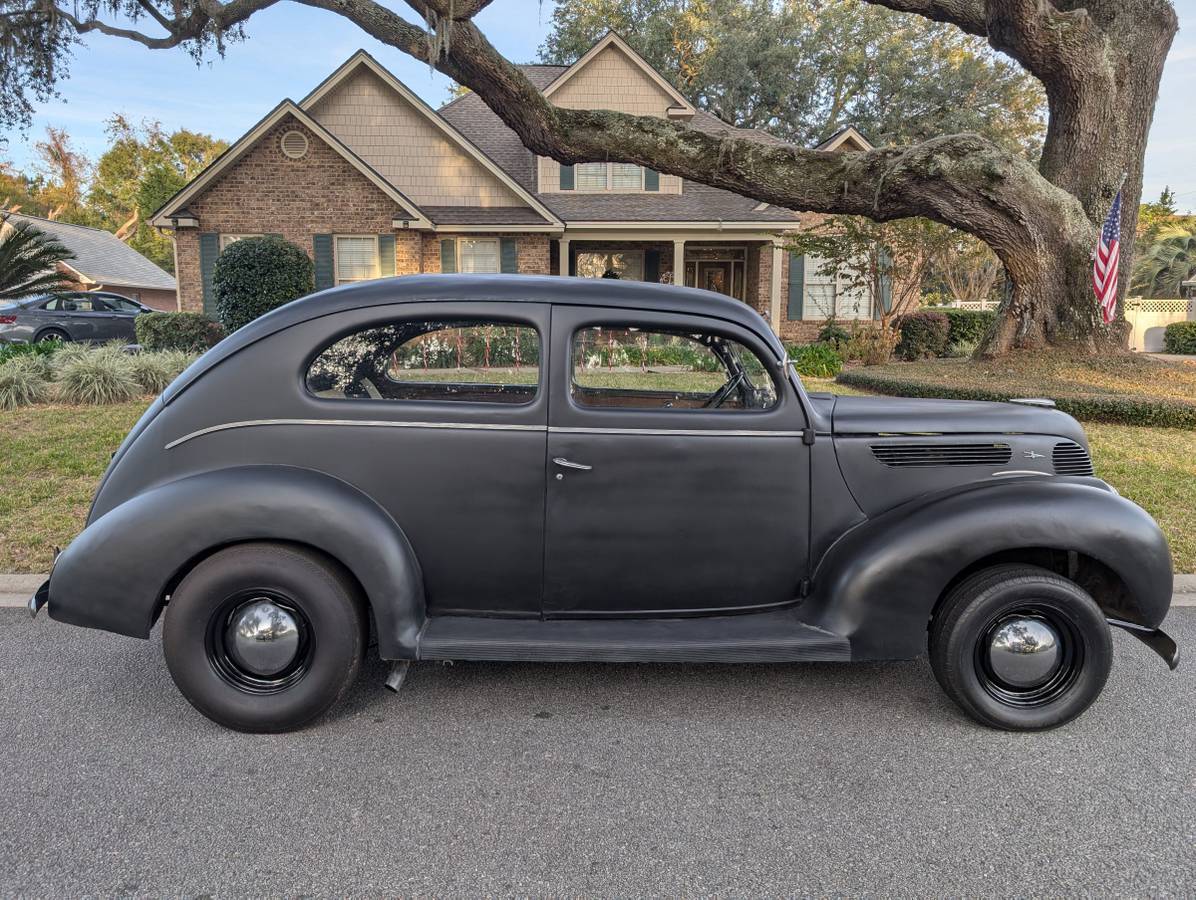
<point x="256" y="275"/>
<point x="923" y="335"/>
<point x="1180" y="337"/>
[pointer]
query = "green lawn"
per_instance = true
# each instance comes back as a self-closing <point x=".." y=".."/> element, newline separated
<point x="54" y="456"/>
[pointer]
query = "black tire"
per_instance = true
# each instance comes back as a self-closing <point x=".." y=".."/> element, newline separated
<point x="331" y="622"/>
<point x="972" y="615"/>
<point x="53" y="334"/>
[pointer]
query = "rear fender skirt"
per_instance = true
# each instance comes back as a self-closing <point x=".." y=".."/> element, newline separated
<point x="114" y="574"/>
<point x="878" y="584"/>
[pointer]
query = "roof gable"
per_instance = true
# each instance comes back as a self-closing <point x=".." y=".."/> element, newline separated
<point x="845" y="140"/>
<point x="409" y="143"/>
<point x="100" y="256"/>
<point x="247" y="141"/>
<point x="612" y="69"/>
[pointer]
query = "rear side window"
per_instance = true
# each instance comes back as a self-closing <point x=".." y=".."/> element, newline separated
<point x="469" y="361"/>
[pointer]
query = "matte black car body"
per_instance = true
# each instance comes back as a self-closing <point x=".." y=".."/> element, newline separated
<point x="63" y="318"/>
<point x="468" y="543"/>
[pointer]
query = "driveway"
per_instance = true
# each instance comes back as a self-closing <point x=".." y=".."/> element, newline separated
<point x="587" y="779"/>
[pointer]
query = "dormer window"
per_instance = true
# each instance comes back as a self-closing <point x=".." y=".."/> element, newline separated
<point x="596" y="178"/>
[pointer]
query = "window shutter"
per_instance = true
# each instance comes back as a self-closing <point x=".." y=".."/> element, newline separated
<point x="448" y="255"/>
<point x="886" y="283"/>
<point x="652" y="266"/>
<point x="797" y="285"/>
<point x="508" y="256"/>
<point x="651" y="180"/>
<point x="321" y="245"/>
<point x="386" y="254"/>
<point x="566" y="178"/>
<point x="209" y="249"/>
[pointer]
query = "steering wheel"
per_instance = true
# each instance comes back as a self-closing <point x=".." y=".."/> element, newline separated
<point x="721" y="395"/>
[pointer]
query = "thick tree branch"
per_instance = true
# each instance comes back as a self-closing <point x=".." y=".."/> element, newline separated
<point x="968" y="15"/>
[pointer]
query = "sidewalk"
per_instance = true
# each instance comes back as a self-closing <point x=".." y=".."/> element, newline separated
<point x="15" y="590"/>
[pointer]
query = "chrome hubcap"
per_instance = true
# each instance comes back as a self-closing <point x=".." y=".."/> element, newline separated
<point x="262" y="638"/>
<point x="1024" y="652"/>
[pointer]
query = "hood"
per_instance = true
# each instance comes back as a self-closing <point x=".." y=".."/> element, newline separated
<point x="902" y="415"/>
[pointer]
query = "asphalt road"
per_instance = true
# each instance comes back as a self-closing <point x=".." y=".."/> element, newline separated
<point x="587" y="779"/>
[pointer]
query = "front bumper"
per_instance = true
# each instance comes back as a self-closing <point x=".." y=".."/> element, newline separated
<point x="39" y="599"/>
<point x="1154" y="638"/>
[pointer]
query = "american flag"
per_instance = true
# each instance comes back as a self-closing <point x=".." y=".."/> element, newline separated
<point x="1104" y="264"/>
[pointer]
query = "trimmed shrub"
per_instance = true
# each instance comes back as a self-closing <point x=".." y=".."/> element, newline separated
<point x="186" y="331"/>
<point x="968" y="326"/>
<point x="923" y="335"/>
<point x="42" y="349"/>
<point x="23" y="381"/>
<point x="256" y="275"/>
<point x="1180" y="337"/>
<point x="834" y="334"/>
<point x="101" y="376"/>
<point x="871" y="345"/>
<point x="815" y="360"/>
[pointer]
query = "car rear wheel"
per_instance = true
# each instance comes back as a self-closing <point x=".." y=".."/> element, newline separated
<point x="53" y="334"/>
<point x="264" y="637"/>
<point x="1020" y="648"/>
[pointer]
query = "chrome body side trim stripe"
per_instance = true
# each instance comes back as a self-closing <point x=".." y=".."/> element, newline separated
<point x="480" y="426"/>
<point x="1008" y="472"/>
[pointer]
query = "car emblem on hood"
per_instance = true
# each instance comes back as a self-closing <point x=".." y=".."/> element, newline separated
<point x="1033" y="454"/>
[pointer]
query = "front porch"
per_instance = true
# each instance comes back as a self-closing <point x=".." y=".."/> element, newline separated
<point x="750" y="268"/>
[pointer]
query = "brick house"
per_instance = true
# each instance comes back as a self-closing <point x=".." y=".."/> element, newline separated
<point x="103" y="262"/>
<point x="373" y="182"/>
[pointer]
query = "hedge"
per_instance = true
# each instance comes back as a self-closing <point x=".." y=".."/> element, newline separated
<point x="923" y="335"/>
<point x="1121" y="410"/>
<point x="815" y="360"/>
<point x="185" y="331"/>
<point x="968" y="326"/>
<point x="1180" y="337"/>
<point x="256" y="275"/>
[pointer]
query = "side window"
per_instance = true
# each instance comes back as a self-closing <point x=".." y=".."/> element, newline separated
<point x="122" y="304"/>
<point x="635" y="368"/>
<point x="469" y="361"/>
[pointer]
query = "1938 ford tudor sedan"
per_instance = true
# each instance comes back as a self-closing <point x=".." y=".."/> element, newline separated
<point x="521" y="468"/>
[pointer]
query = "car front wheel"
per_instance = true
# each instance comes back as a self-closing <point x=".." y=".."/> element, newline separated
<point x="264" y="637"/>
<point x="1020" y="648"/>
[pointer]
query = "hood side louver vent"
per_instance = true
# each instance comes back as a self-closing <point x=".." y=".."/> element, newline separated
<point x="905" y="455"/>
<point x="1070" y="458"/>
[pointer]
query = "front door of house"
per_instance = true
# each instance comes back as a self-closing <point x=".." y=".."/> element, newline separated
<point x="716" y="276"/>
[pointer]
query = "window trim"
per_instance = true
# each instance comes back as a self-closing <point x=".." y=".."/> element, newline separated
<point x="227" y="240"/>
<point x="336" y="264"/>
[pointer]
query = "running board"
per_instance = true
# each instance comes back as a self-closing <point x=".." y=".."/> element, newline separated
<point x="756" y="637"/>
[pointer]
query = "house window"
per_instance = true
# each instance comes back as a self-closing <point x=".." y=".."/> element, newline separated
<point x="601" y="177"/>
<point x="356" y="258"/>
<point x="477" y="255"/>
<point x="627" y="266"/>
<point x="226" y="240"/>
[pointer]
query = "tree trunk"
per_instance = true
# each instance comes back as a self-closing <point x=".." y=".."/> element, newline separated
<point x="1095" y="144"/>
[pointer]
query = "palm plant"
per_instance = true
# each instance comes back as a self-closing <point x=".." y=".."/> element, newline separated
<point x="1166" y="263"/>
<point x="29" y="261"/>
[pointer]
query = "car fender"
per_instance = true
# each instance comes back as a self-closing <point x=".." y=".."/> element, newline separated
<point x="879" y="583"/>
<point x="116" y="573"/>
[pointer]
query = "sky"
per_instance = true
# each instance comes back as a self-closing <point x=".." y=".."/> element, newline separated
<point x="292" y="48"/>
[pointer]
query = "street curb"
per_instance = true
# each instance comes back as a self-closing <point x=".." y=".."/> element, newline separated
<point x="15" y="590"/>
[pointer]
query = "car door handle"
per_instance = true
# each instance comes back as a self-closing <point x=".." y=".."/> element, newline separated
<point x="569" y="464"/>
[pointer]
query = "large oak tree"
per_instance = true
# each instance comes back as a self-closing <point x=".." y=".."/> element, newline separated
<point x="1100" y="62"/>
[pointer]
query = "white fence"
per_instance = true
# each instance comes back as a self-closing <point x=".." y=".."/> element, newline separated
<point x="1149" y="317"/>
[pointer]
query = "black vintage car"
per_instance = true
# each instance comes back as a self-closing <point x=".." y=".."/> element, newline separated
<point x="520" y="468"/>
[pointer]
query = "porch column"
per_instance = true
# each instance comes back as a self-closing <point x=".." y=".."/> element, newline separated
<point x="563" y="256"/>
<point x="774" y="295"/>
<point x="679" y="263"/>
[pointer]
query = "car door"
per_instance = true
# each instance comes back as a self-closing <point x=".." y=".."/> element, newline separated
<point x="454" y="404"/>
<point x="108" y="322"/>
<point x="657" y="504"/>
<point x="124" y="317"/>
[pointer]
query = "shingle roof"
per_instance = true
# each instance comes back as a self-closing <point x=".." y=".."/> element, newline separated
<point x="101" y="257"/>
<point x="696" y="203"/>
